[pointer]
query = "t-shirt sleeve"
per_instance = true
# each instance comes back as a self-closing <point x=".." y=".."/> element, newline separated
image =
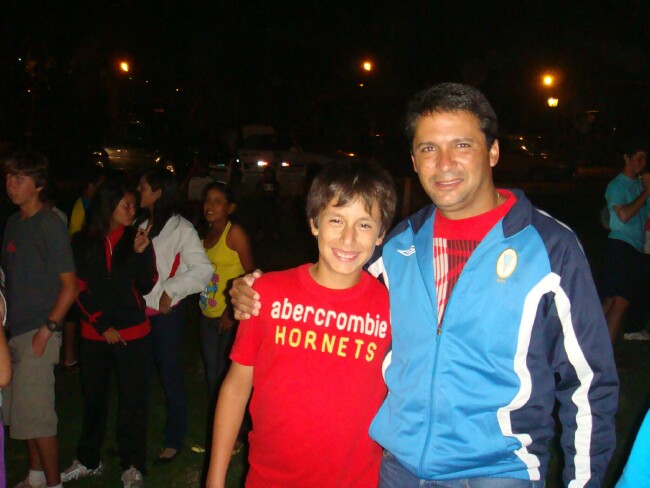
<point x="615" y="195"/>
<point x="249" y="338"/>
<point x="248" y="341"/>
<point x="59" y="255"/>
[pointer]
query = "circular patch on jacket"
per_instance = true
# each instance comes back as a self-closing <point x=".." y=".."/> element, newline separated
<point x="506" y="263"/>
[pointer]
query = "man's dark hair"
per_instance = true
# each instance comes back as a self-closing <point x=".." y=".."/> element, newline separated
<point x="452" y="97"/>
<point x="346" y="181"/>
<point x="633" y="145"/>
<point x="30" y="163"/>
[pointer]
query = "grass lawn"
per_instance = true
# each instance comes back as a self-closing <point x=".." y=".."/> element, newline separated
<point x="578" y="209"/>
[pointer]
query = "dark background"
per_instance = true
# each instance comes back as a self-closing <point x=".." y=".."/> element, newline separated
<point x="203" y="69"/>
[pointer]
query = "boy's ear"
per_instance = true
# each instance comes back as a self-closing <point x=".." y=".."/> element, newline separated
<point x="380" y="238"/>
<point x="313" y="227"/>
<point x="232" y="208"/>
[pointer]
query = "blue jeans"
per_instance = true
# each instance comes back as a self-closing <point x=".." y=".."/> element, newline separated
<point x="167" y="339"/>
<point x="393" y="475"/>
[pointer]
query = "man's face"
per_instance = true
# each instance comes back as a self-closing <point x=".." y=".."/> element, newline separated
<point x="21" y="189"/>
<point x="453" y="163"/>
<point x="636" y="163"/>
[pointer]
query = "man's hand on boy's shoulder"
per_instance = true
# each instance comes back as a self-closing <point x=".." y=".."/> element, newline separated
<point x="245" y="300"/>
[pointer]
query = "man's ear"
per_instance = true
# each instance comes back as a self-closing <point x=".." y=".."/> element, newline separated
<point x="413" y="161"/>
<point x="493" y="153"/>
<point x="313" y="225"/>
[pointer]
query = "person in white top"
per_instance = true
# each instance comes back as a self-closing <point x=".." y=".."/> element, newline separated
<point x="183" y="269"/>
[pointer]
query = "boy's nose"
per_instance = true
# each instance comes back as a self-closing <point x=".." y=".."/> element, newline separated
<point x="347" y="235"/>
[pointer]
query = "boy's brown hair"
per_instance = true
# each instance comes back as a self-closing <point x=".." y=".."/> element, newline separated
<point x="347" y="181"/>
<point x="30" y="163"/>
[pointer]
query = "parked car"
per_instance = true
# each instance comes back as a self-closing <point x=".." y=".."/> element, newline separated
<point x="293" y="166"/>
<point x="532" y="159"/>
<point x="130" y="147"/>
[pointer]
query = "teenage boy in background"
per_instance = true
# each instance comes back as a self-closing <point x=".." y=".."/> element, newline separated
<point x="41" y="286"/>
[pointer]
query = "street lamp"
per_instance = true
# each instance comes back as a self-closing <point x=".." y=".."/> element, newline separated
<point x="552" y="102"/>
<point x="124" y="66"/>
<point x="548" y="80"/>
<point x="367" y="66"/>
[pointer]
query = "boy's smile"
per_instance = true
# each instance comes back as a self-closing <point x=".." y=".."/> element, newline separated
<point x="347" y="237"/>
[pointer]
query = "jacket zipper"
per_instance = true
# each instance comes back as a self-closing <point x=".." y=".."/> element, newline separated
<point x="431" y="400"/>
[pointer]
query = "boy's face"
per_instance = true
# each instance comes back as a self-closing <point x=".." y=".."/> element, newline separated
<point x="347" y="237"/>
<point x="21" y="189"/>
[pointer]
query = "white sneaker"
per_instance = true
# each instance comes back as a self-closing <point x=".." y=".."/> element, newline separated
<point x="642" y="335"/>
<point x="26" y="484"/>
<point x="132" y="478"/>
<point x="77" y="471"/>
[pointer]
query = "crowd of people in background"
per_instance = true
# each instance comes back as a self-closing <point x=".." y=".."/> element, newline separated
<point x="113" y="282"/>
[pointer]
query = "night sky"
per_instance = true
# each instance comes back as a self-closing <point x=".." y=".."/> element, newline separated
<point x="297" y="65"/>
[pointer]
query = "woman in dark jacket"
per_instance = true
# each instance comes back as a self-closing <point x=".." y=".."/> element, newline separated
<point x="115" y="268"/>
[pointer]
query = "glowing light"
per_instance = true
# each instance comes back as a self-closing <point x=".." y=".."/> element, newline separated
<point x="124" y="66"/>
<point x="548" y="80"/>
<point x="360" y="85"/>
<point x="285" y="164"/>
<point x="367" y="66"/>
<point x="262" y="163"/>
<point x="552" y="102"/>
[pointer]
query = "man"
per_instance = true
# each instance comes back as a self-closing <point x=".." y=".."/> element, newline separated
<point x="494" y="315"/>
<point x="41" y="286"/>
<point x="628" y="205"/>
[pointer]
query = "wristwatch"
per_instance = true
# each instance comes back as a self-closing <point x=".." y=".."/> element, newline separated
<point x="52" y="325"/>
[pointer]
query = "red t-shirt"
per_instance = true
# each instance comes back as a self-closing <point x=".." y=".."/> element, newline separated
<point x="317" y="383"/>
<point x="454" y="242"/>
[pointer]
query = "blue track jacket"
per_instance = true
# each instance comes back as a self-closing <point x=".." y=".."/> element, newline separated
<point x="522" y="327"/>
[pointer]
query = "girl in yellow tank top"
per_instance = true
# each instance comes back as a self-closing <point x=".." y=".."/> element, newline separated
<point x="229" y="251"/>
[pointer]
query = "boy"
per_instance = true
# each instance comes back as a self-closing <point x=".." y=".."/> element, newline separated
<point x="315" y="351"/>
<point x="41" y="286"/>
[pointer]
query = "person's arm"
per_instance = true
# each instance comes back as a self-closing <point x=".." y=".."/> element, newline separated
<point x="5" y="358"/>
<point x="627" y="211"/>
<point x="581" y="355"/>
<point x="238" y="241"/>
<point x="64" y="300"/>
<point x="231" y="406"/>
<point x="197" y="275"/>
<point x="144" y="273"/>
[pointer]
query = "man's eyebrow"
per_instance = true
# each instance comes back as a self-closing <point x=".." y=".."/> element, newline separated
<point x="455" y="141"/>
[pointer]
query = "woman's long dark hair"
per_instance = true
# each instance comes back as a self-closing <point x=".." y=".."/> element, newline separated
<point x="107" y="197"/>
<point x="166" y="206"/>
